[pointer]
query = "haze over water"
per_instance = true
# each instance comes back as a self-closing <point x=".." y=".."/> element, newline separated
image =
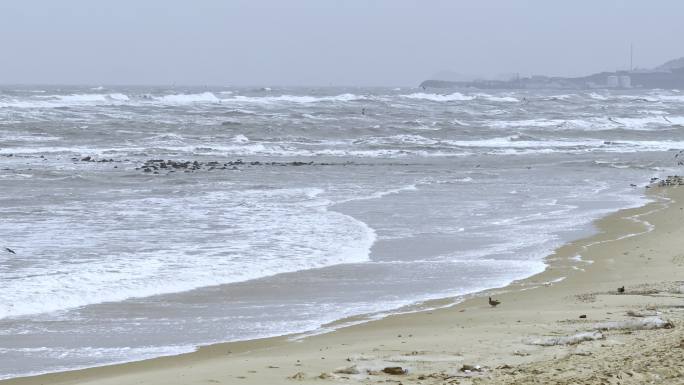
<point x="306" y="205"/>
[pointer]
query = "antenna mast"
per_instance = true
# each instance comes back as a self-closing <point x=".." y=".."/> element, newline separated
<point x="631" y="57"/>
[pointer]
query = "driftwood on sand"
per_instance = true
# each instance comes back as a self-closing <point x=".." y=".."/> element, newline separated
<point x="567" y="340"/>
<point x="645" y="323"/>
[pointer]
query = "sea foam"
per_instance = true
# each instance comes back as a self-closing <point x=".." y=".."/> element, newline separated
<point x="132" y="262"/>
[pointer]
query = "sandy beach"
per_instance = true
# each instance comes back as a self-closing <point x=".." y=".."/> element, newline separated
<point x="568" y="325"/>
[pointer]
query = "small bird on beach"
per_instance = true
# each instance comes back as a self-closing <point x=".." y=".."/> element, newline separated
<point x="493" y="302"/>
<point x="7" y="249"/>
<point x="621" y="289"/>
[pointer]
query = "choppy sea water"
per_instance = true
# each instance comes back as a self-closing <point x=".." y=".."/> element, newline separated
<point x="305" y="205"/>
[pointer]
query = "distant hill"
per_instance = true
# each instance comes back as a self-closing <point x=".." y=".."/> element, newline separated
<point x="671" y="65"/>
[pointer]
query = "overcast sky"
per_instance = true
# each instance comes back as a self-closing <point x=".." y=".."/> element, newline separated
<point x="325" y="42"/>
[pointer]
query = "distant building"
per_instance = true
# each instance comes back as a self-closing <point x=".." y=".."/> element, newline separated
<point x="625" y="81"/>
<point x="612" y="81"/>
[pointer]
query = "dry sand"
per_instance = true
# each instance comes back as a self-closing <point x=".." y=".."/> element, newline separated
<point x="536" y="335"/>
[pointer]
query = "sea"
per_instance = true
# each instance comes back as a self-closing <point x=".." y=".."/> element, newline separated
<point x="147" y="221"/>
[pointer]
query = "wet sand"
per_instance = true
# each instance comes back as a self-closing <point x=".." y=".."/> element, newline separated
<point x="535" y="335"/>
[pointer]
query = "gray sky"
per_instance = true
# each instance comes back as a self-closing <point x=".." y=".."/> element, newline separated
<point x="323" y="42"/>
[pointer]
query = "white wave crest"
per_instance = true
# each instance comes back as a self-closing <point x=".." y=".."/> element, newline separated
<point x="240" y="139"/>
<point x="456" y="96"/>
<point x="296" y="98"/>
<point x="204" y="97"/>
<point x="643" y="123"/>
<point x="596" y="96"/>
<point x="493" y="98"/>
<point x="380" y="194"/>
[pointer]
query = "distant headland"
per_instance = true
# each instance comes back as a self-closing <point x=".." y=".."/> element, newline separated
<point x="668" y="76"/>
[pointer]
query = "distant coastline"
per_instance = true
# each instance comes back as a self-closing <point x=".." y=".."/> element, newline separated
<point x="670" y="75"/>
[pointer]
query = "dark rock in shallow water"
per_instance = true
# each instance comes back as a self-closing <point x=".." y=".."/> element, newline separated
<point x="395" y="370"/>
<point x="470" y="368"/>
<point x="196" y="165"/>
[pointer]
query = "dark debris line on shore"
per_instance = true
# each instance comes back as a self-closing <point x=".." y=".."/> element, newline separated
<point x="671" y="180"/>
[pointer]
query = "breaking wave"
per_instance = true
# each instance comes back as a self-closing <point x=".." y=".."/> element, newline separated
<point x="204" y="97"/>
<point x="303" y="235"/>
<point x="456" y="96"/>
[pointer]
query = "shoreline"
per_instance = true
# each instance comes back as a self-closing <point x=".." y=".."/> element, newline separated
<point x="418" y="340"/>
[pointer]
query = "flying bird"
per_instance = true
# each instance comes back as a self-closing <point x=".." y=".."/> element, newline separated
<point x="7" y="249"/>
